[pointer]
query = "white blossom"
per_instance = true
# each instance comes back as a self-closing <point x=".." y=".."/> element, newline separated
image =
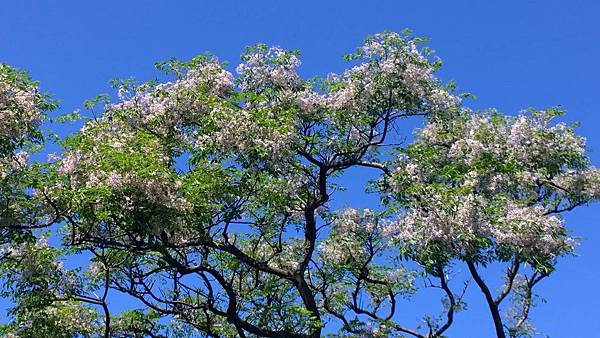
<point x="18" y="106"/>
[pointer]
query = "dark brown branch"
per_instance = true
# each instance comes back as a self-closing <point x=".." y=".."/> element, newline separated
<point x="499" y="327"/>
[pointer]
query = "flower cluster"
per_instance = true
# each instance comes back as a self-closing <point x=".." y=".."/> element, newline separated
<point x="13" y="163"/>
<point x="69" y="318"/>
<point x="166" y="106"/>
<point x="133" y="164"/>
<point x="268" y="67"/>
<point x="484" y="181"/>
<point x="395" y="74"/>
<point x="19" y="104"/>
<point x="532" y="232"/>
<point x="39" y="261"/>
<point x="311" y="104"/>
<point x="196" y="110"/>
<point x="495" y="153"/>
<point x="248" y="133"/>
<point x="584" y="184"/>
<point x="452" y="223"/>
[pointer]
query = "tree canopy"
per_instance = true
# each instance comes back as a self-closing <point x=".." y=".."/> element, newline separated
<point x="208" y="200"/>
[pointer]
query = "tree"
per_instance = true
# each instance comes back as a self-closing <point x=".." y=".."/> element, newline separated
<point x="208" y="200"/>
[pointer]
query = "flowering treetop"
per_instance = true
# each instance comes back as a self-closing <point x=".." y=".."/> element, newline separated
<point x="208" y="200"/>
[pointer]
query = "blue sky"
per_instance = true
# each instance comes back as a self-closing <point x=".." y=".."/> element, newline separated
<point x="510" y="54"/>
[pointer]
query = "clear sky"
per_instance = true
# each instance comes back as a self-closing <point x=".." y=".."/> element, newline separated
<point x="510" y="54"/>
